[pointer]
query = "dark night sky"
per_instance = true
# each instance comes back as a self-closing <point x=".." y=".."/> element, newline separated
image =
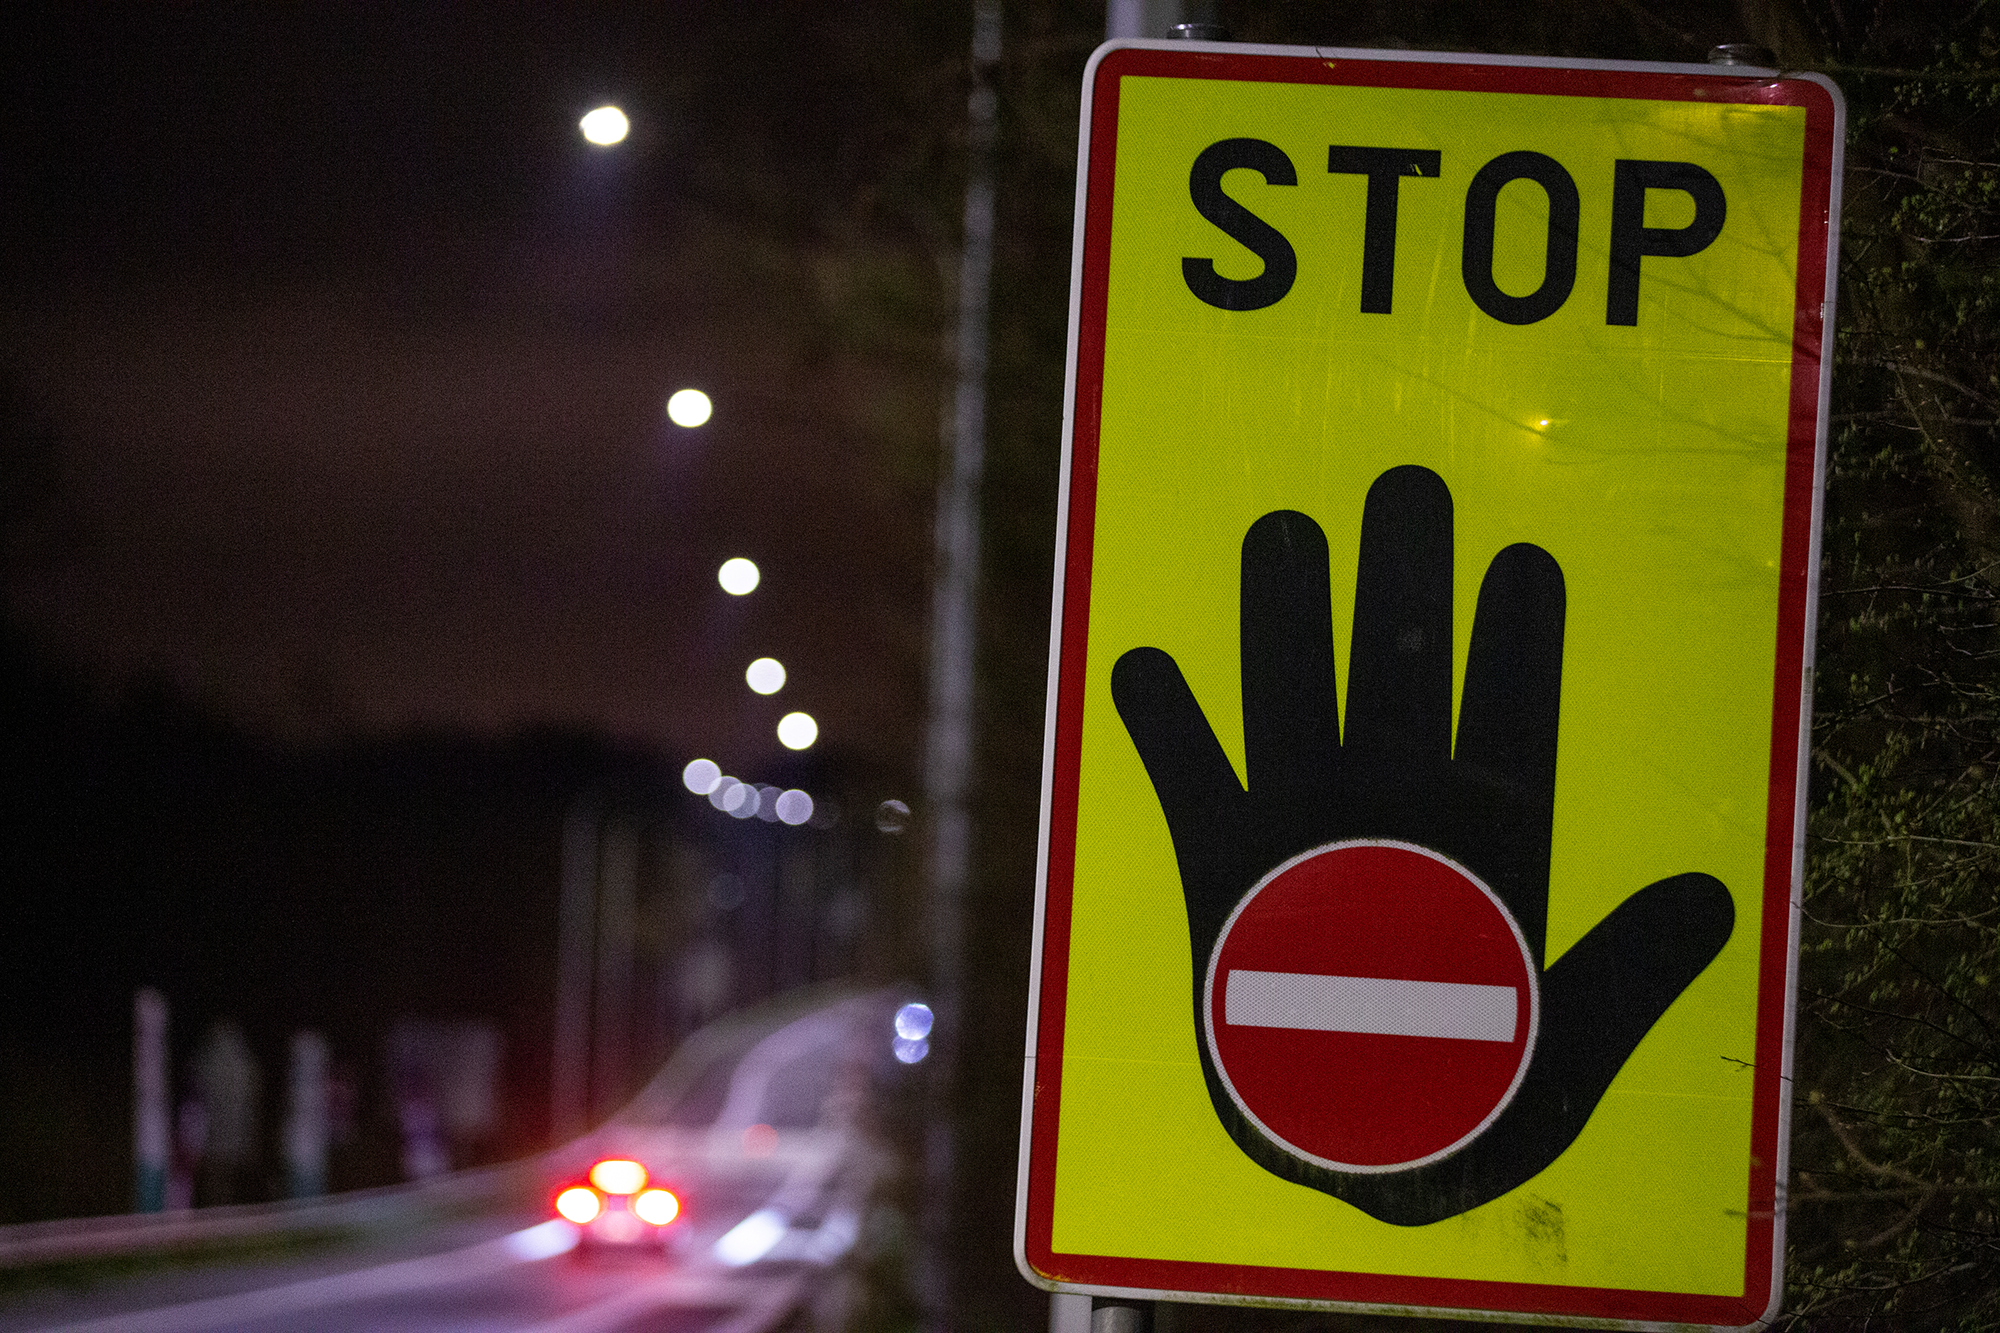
<point x="358" y="354"/>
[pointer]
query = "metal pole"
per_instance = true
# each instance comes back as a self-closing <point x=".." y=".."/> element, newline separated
<point x="569" y="1060"/>
<point x="1069" y="1312"/>
<point x="150" y="1120"/>
<point x="1113" y="1315"/>
<point x="954" y="615"/>
<point x="1143" y="18"/>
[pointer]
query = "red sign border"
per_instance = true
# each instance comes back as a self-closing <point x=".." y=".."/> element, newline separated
<point x="1804" y="480"/>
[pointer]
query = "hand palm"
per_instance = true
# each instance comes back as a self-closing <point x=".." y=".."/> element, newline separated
<point x="1395" y="775"/>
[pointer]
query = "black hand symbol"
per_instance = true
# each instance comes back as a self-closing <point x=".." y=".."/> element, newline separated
<point x="1394" y="776"/>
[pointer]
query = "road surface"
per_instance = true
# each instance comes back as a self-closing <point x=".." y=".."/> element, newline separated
<point x="761" y="1128"/>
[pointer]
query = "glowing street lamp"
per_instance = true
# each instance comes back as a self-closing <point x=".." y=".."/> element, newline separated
<point x="797" y="731"/>
<point x="766" y="675"/>
<point x="689" y="408"/>
<point x="605" y="126"/>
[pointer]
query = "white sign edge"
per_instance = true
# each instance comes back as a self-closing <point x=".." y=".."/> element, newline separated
<point x="1053" y="686"/>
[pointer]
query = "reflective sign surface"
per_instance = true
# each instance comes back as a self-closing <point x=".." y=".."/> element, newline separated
<point x="1440" y="499"/>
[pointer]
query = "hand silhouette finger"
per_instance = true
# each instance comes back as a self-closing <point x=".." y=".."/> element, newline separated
<point x="1291" y="718"/>
<point x="1605" y="994"/>
<point x="1197" y="787"/>
<point x="1399" y="683"/>
<point x="1513" y="674"/>
<point x="1598" y="1002"/>
<point x="1507" y="722"/>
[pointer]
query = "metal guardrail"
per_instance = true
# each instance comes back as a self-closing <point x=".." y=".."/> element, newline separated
<point x="25" y="1244"/>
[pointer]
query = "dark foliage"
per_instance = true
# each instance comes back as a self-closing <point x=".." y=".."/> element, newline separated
<point x="1895" y="1182"/>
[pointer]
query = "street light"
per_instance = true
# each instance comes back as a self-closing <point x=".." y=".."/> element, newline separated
<point x="689" y="408"/>
<point x="797" y="731"/>
<point x="766" y="675"/>
<point x="605" y="126"/>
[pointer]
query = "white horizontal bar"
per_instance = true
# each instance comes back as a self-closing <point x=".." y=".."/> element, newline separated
<point x="1382" y="1005"/>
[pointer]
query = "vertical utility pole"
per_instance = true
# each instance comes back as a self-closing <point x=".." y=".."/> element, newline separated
<point x="150" y="1132"/>
<point x="954" y="609"/>
<point x="569" y="1060"/>
<point x="1144" y="18"/>
<point x="617" y="933"/>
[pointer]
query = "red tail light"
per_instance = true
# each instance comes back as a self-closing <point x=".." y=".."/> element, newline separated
<point x="618" y="1175"/>
<point x="656" y="1206"/>
<point x="578" y="1204"/>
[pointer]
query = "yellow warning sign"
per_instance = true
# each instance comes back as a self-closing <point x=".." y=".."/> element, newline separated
<point x="1436" y="591"/>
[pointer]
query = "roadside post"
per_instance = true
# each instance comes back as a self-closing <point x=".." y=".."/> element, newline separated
<point x="150" y="1100"/>
<point x="1423" y="792"/>
<point x="308" y="1130"/>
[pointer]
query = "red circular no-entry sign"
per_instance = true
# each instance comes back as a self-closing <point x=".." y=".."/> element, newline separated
<point x="1371" y="1006"/>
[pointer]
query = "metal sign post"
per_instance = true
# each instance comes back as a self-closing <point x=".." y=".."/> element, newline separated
<point x="1424" y="776"/>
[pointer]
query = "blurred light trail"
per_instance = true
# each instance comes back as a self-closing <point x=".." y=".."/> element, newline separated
<point x="284" y="1304"/>
<point x="766" y="675"/>
<point x="752" y="1238"/>
<point x="541" y="1242"/>
<point x="797" y="731"/>
<point x="701" y="776"/>
<point x="605" y="126"/>
<point x="689" y="408"/>
<point x="738" y="576"/>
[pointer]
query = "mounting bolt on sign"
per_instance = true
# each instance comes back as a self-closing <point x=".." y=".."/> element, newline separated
<point x="1423" y="781"/>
